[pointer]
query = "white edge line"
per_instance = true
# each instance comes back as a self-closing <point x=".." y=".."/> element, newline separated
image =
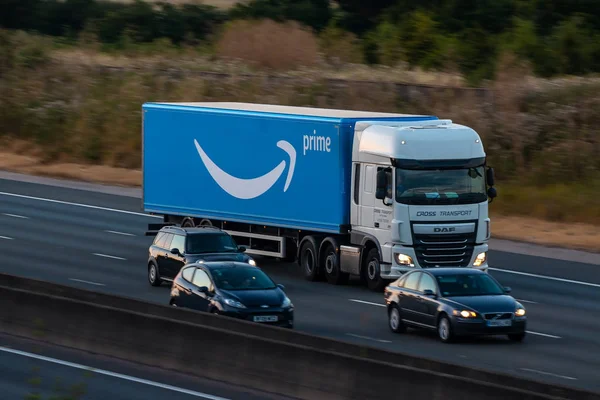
<point x="368" y="338"/>
<point x="367" y="302"/>
<point x="113" y="374"/>
<point x="79" y="205"/>
<point x="544" y="334"/>
<point x="6" y="237"/>
<point x="548" y="373"/>
<point x="89" y="282"/>
<point x="121" y="233"/>
<point x="109" y="256"/>
<point x="15" y="215"/>
<point x="552" y="278"/>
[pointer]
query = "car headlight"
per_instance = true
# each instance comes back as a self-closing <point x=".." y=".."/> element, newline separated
<point x="252" y="262"/>
<point x="520" y="312"/>
<point x="286" y="302"/>
<point x="233" y="303"/>
<point x="465" y="313"/>
<point x="480" y="259"/>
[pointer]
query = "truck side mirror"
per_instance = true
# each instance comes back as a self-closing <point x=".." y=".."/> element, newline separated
<point x="381" y="188"/>
<point x="492" y="192"/>
<point x="490" y="176"/>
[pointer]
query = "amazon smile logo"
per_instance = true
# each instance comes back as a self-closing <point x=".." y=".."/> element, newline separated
<point x="250" y="188"/>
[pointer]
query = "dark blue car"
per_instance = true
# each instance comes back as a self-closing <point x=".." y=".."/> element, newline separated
<point x="454" y="302"/>
<point x="234" y="289"/>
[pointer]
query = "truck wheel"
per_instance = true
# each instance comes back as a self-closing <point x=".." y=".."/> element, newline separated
<point x="372" y="271"/>
<point x="331" y="266"/>
<point x="309" y="260"/>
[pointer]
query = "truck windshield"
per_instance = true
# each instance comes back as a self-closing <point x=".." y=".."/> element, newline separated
<point x="441" y="186"/>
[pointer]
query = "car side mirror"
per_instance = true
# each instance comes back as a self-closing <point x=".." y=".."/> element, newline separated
<point x="175" y="251"/>
<point x="241" y="249"/>
<point x="280" y="286"/>
<point x="202" y="289"/>
<point x="507" y="289"/>
<point x="429" y="293"/>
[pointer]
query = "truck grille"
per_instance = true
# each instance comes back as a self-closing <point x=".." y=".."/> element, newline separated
<point x="444" y="250"/>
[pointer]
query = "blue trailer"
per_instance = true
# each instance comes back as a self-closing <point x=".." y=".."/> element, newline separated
<point x="274" y="177"/>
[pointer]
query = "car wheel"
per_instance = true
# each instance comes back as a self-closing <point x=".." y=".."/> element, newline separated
<point x="153" y="275"/>
<point x="395" y="320"/>
<point x="516" y="337"/>
<point x="331" y="266"/>
<point x="444" y="330"/>
<point x="372" y="272"/>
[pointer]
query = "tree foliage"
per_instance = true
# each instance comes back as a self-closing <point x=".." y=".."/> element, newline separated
<point x="555" y="36"/>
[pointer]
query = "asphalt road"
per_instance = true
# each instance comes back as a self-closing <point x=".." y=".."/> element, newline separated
<point x="101" y="246"/>
<point x="29" y="368"/>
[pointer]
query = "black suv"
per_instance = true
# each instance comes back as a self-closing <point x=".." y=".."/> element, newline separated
<point x="175" y="247"/>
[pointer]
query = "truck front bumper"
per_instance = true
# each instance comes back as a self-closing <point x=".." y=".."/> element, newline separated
<point x="408" y="255"/>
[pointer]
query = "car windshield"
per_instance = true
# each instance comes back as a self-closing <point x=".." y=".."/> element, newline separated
<point x="210" y="243"/>
<point x="241" y="278"/>
<point x="441" y="186"/>
<point x="468" y="285"/>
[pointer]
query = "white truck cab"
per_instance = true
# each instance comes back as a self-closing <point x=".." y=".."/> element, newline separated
<point x="420" y="190"/>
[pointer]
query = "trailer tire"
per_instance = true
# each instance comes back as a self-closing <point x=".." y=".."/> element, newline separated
<point x="331" y="266"/>
<point x="372" y="271"/>
<point x="309" y="260"/>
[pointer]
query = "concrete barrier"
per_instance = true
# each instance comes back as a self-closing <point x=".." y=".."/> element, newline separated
<point x="242" y="353"/>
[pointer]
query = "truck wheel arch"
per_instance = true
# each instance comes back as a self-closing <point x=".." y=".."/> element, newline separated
<point x="368" y="244"/>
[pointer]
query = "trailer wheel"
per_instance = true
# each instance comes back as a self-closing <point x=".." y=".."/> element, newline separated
<point x="331" y="266"/>
<point x="372" y="271"/>
<point x="309" y="260"/>
<point x="188" y="223"/>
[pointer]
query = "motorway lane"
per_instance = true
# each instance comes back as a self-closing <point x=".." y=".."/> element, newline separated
<point x="57" y="242"/>
<point x="28" y="368"/>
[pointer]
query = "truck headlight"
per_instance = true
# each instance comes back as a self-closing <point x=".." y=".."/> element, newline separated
<point x="403" y="259"/>
<point x="480" y="259"/>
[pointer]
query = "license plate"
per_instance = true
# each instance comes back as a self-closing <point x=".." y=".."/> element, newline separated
<point x="500" y="322"/>
<point x="265" y="318"/>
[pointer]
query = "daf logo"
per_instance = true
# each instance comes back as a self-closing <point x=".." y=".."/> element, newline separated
<point x="264" y="306"/>
<point x="439" y="230"/>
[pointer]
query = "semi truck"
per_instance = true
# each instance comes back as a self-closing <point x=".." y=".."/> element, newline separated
<point x="343" y="193"/>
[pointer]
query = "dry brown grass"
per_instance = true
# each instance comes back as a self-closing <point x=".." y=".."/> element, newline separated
<point x="575" y="236"/>
<point x="269" y="44"/>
